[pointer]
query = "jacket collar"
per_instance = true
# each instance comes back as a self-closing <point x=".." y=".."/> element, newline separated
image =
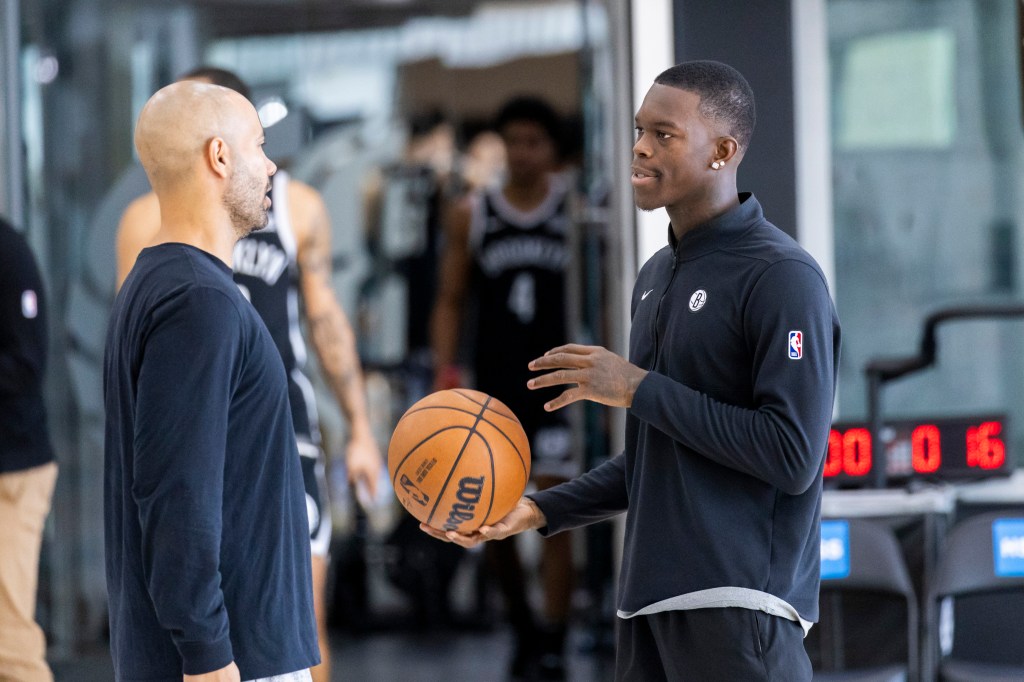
<point x="719" y="231"/>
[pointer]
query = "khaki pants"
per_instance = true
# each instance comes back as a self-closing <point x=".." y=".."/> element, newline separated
<point x="25" y="498"/>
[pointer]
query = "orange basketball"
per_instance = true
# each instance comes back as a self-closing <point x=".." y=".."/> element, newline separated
<point x="459" y="459"/>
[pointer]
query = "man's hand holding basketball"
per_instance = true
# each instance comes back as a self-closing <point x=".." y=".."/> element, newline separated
<point x="591" y="372"/>
<point x="524" y="516"/>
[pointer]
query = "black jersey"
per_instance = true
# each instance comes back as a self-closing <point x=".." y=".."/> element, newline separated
<point x="520" y="262"/>
<point x="266" y="270"/>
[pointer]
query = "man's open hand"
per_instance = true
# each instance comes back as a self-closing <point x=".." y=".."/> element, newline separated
<point x="591" y="372"/>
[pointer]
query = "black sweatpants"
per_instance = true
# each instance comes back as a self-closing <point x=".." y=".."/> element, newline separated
<point x="710" y="645"/>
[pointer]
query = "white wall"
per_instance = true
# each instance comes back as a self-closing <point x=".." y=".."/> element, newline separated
<point x="653" y="48"/>
<point x="814" y="212"/>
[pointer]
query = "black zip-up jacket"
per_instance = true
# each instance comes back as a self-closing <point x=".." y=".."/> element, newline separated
<point x="721" y="476"/>
<point x="24" y="442"/>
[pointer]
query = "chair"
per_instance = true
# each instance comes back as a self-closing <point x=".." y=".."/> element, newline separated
<point x="851" y="643"/>
<point x="978" y="636"/>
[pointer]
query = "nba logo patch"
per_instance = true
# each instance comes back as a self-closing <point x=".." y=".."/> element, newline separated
<point x="796" y="345"/>
<point x="29" y="304"/>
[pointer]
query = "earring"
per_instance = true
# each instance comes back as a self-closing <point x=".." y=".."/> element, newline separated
<point x="717" y="164"/>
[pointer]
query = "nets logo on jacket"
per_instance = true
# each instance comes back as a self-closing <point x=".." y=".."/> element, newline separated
<point x="697" y="300"/>
<point x="796" y="345"/>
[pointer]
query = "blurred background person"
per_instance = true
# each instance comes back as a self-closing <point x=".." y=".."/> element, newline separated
<point x="27" y="468"/>
<point x="508" y="245"/>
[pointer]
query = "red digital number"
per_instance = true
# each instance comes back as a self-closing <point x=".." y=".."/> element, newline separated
<point x="857" y="452"/>
<point x="848" y="453"/>
<point x="985" y="449"/>
<point x="834" y="458"/>
<point x="926" y="452"/>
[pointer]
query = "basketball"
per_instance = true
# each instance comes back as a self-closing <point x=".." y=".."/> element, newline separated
<point x="459" y="459"/>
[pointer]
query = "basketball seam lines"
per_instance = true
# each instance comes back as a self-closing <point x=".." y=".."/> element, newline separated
<point x="470" y="398"/>
<point x="522" y="461"/>
<point x="416" y="447"/>
<point x="479" y="417"/>
<point x="494" y="482"/>
<point x="455" y="464"/>
<point x="484" y="405"/>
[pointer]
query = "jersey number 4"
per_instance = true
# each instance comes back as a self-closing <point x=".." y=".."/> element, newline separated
<point x="522" y="299"/>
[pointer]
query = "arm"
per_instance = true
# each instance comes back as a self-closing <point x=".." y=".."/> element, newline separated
<point x="139" y="224"/>
<point x="21" y="361"/>
<point x="595" y="496"/>
<point x="22" y="338"/>
<point x="183" y="390"/>
<point x="781" y="440"/>
<point x="331" y="333"/>
<point x="453" y="277"/>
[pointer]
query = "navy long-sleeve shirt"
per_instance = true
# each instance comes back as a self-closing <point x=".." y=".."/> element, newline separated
<point x="725" y="440"/>
<point x="207" y="547"/>
<point x="24" y="442"/>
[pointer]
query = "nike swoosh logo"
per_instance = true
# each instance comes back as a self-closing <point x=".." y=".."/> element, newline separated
<point x="646" y="294"/>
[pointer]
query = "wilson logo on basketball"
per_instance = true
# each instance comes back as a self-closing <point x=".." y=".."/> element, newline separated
<point x="468" y="496"/>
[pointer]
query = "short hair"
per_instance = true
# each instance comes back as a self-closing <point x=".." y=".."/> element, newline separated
<point x="425" y="121"/>
<point x="532" y="110"/>
<point x="724" y="94"/>
<point x="219" y="76"/>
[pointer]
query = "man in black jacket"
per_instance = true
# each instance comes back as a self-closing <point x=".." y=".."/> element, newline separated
<point x="27" y="469"/>
<point x="729" y="385"/>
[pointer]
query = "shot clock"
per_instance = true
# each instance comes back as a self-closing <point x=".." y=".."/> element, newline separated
<point x="947" y="449"/>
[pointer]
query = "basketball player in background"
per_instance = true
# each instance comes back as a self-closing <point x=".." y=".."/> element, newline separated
<point x="509" y="245"/>
<point x="28" y="470"/>
<point x="285" y="271"/>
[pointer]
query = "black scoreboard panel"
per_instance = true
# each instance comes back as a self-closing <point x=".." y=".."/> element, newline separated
<point x="946" y="449"/>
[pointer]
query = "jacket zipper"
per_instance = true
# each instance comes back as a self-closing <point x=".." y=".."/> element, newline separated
<point x="657" y="314"/>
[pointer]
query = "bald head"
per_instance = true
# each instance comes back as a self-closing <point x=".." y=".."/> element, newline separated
<point x="179" y="122"/>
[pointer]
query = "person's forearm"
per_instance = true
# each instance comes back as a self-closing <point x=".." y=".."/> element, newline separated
<point x="444" y="335"/>
<point x="595" y="496"/>
<point x="15" y="375"/>
<point x="22" y="354"/>
<point x="336" y="349"/>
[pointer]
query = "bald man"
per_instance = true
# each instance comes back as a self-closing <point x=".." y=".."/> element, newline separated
<point x="207" y="551"/>
<point x="285" y="271"/>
